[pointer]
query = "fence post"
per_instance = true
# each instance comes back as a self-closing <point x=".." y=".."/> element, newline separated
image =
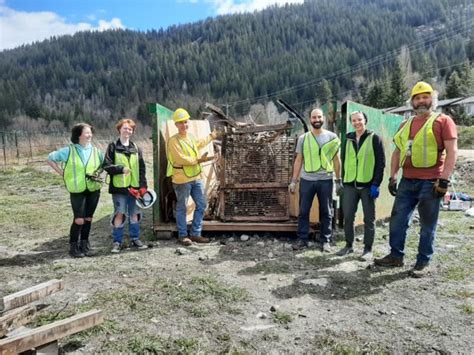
<point x="4" y="151"/>
<point x="31" y="148"/>
<point x="16" y="146"/>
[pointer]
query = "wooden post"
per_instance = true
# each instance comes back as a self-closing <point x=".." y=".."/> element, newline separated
<point x="16" y="146"/>
<point x="31" y="294"/>
<point x="48" y="333"/>
<point x="4" y="150"/>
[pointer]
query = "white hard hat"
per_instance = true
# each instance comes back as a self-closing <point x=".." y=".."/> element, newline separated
<point x="147" y="200"/>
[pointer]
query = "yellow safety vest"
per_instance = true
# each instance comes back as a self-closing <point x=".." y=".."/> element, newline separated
<point x="129" y="180"/>
<point x="316" y="157"/>
<point x="424" y="148"/>
<point x="190" y="150"/>
<point x="75" y="171"/>
<point x="360" y="166"/>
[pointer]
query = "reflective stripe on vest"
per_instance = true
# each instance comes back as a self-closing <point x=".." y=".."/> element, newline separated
<point x="190" y="151"/>
<point x="129" y="180"/>
<point x="316" y="157"/>
<point x="424" y="148"/>
<point x="360" y="166"/>
<point x="75" y="171"/>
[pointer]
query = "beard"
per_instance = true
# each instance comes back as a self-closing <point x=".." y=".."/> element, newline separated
<point x="316" y="125"/>
<point x="422" y="109"/>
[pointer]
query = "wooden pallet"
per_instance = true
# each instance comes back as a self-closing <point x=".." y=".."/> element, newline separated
<point x="16" y="311"/>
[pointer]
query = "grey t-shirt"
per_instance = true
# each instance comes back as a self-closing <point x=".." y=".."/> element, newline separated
<point x="323" y="138"/>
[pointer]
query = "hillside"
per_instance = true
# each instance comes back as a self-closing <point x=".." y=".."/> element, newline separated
<point x="98" y="76"/>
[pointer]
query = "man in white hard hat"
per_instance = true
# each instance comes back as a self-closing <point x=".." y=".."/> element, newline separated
<point x="426" y="150"/>
<point x="184" y="167"/>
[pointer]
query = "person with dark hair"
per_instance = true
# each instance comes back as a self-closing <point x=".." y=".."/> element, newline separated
<point x="79" y="164"/>
<point x="317" y="162"/>
<point x="126" y="167"/>
<point x="363" y="163"/>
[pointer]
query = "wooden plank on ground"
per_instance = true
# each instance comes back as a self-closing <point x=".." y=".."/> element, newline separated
<point x="15" y="318"/>
<point x="237" y="227"/>
<point x="50" y="332"/>
<point x="31" y="294"/>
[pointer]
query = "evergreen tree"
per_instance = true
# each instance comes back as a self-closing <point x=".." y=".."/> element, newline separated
<point x="454" y="86"/>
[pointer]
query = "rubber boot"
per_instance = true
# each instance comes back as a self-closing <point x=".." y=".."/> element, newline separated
<point x="86" y="249"/>
<point x="75" y="251"/>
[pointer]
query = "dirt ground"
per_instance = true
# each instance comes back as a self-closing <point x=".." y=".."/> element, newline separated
<point x="234" y="296"/>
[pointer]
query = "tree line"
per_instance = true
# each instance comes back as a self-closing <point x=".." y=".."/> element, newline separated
<point x="367" y="50"/>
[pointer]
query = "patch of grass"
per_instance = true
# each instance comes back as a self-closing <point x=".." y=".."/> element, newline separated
<point x="464" y="294"/>
<point x="466" y="308"/>
<point x="267" y="267"/>
<point x="456" y="273"/>
<point x="220" y="293"/>
<point x="282" y="317"/>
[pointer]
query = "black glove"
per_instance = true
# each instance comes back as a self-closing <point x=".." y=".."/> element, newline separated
<point x="392" y="186"/>
<point x="440" y="187"/>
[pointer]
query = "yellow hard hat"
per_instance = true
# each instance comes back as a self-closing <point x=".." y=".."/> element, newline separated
<point x="180" y="115"/>
<point x="420" y="88"/>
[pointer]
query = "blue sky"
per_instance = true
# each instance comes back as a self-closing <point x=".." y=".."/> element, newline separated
<point x="26" y="21"/>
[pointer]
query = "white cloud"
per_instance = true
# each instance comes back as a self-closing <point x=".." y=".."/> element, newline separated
<point x="18" y="27"/>
<point x="233" y="6"/>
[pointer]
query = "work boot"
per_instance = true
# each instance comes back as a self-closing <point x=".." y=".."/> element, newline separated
<point x="75" y="251"/>
<point x="300" y="244"/>
<point x="345" y="251"/>
<point x="389" y="261"/>
<point x="186" y="241"/>
<point x="200" y="239"/>
<point x="137" y="243"/>
<point x="86" y="249"/>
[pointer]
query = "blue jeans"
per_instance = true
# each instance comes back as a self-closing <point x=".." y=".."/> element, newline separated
<point x="195" y="189"/>
<point x="125" y="204"/>
<point x="413" y="192"/>
<point x="308" y="189"/>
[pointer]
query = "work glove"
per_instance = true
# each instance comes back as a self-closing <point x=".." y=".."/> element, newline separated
<point x="142" y="191"/>
<point x="216" y="134"/>
<point x="440" y="187"/>
<point x="292" y="186"/>
<point x="392" y="186"/>
<point x="205" y="158"/>
<point x="374" y="192"/>
<point x="339" y="187"/>
<point x="134" y="192"/>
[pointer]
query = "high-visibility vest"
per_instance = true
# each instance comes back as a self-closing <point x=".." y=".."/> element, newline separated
<point x="359" y="166"/>
<point x="189" y="150"/>
<point x="130" y="162"/>
<point x="316" y="157"/>
<point x="75" y="171"/>
<point x="424" y="148"/>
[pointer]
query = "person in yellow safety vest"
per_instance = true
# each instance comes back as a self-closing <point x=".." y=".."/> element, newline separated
<point x="426" y="151"/>
<point x="317" y="160"/>
<point x="363" y="163"/>
<point x="79" y="164"/>
<point x="126" y="167"/>
<point x="184" y="167"/>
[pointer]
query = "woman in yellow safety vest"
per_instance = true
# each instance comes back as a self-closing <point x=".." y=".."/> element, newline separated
<point x="126" y="167"/>
<point x="79" y="164"/>
<point x="363" y="163"/>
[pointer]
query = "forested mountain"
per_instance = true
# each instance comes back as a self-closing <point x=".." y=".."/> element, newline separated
<point x="319" y="50"/>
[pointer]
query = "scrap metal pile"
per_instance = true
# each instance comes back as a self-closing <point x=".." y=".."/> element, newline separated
<point x="253" y="171"/>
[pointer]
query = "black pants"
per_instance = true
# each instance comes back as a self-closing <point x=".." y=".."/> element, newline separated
<point x="84" y="203"/>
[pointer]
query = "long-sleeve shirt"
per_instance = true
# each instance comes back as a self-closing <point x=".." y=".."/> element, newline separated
<point x="180" y="159"/>
<point x="113" y="169"/>
<point x="378" y="153"/>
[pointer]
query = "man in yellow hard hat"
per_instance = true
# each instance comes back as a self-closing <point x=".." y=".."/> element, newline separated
<point x="426" y="150"/>
<point x="184" y="167"/>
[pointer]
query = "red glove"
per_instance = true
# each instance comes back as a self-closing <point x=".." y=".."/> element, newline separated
<point x="135" y="193"/>
<point x="142" y="191"/>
